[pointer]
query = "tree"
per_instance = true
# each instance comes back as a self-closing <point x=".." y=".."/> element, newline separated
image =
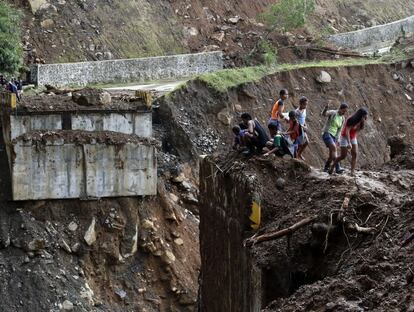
<point x="287" y="15"/>
<point x="11" y="51"/>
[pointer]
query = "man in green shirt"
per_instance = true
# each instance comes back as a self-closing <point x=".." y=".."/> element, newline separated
<point x="331" y="131"/>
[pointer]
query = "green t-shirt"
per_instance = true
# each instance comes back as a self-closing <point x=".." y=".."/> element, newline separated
<point x="334" y="123"/>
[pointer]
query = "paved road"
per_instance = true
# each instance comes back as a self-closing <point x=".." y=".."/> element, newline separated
<point x="161" y="87"/>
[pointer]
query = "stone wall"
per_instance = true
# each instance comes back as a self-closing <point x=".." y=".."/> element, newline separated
<point x="127" y="70"/>
<point x="58" y="170"/>
<point x="375" y="38"/>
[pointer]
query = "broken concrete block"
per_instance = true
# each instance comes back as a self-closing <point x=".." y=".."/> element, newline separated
<point x="90" y="235"/>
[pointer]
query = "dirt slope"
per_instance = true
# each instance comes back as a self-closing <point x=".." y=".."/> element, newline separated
<point x="372" y="86"/>
<point x="70" y="30"/>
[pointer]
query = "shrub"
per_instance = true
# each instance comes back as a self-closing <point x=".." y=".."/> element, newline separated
<point x="287" y="15"/>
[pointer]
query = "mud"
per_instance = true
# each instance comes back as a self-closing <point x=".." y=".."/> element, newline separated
<point x="53" y="103"/>
<point x="305" y="271"/>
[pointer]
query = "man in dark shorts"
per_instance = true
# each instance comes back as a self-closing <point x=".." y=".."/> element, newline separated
<point x="331" y="131"/>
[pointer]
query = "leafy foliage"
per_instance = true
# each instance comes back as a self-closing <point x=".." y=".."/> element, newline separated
<point x="287" y="15"/>
<point x="269" y="52"/>
<point x="10" y="46"/>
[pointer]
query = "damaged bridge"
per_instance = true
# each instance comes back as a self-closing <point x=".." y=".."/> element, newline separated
<point x="59" y="149"/>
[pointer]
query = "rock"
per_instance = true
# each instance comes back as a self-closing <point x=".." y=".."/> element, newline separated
<point x="395" y="77"/>
<point x="73" y="226"/>
<point x="409" y="87"/>
<point x="147" y="225"/>
<point x="190" y="198"/>
<point x="67" y="305"/>
<point x="218" y="36"/>
<point x="190" y="32"/>
<point x="91" y="97"/>
<point x="324" y="77"/>
<point x="408" y="97"/>
<point x="238" y="108"/>
<point x="211" y="47"/>
<point x="121" y="293"/>
<point x="169" y="257"/>
<point x="174" y="198"/>
<point x="179" y="241"/>
<point x="224" y="117"/>
<point x="36" y="245"/>
<point x="180" y="178"/>
<point x="47" y="23"/>
<point x="234" y="20"/>
<point x="187" y="186"/>
<point x="108" y="55"/>
<point x="280" y="183"/>
<point x="90" y="235"/>
<point x="75" y="247"/>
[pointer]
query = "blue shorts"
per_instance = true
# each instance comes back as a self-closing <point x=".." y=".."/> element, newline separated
<point x="329" y="139"/>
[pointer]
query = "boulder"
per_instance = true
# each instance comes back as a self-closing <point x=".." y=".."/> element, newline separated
<point x="91" y="97"/>
<point x="324" y="77"/>
<point x="90" y="235"/>
<point x="67" y="305"/>
<point x="47" y="23"/>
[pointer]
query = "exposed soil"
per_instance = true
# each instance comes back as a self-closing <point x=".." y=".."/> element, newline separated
<point x="82" y="137"/>
<point x="346" y="270"/>
<point x="65" y="103"/>
<point x="77" y="31"/>
<point x="373" y="86"/>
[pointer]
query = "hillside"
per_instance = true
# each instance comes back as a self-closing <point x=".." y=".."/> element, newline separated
<point x="71" y="30"/>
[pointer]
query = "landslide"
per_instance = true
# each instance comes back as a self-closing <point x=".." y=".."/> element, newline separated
<point x="72" y="30"/>
<point x="345" y="270"/>
<point x="204" y="110"/>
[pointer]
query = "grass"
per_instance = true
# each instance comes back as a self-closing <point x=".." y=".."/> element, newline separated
<point x="228" y="78"/>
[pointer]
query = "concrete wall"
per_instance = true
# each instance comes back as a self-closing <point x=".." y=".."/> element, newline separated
<point x="137" y="70"/>
<point x="374" y="38"/>
<point x="230" y="281"/>
<point x="55" y="170"/>
<point x="139" y="123"/>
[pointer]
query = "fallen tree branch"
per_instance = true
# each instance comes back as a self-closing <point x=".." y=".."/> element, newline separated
<point x="280" y="233"/>
<point x="364" y="230"/>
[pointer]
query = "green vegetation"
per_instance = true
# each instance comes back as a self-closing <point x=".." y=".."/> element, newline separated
<point x="225" y="79"/>
<point x="287" y="15"/>
<point x="269" y="52"/>
<point x="11" y="51"/>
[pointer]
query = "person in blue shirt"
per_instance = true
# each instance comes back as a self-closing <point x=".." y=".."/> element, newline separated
<point x="11" y="87"/>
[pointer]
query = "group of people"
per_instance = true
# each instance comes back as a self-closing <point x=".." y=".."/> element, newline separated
<point x="338" y="133"/>
<point x="13" y="85"/>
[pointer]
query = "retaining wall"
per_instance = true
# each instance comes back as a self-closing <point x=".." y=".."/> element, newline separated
<point x="137" y="70"/>
<point x="58" y="170"/>
<point x="374" y="38"/>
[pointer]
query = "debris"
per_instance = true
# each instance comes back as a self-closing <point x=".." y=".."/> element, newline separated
<point x="65" y="246"/>
<point x="90" y="235"/>
<point x="73" y="226"/>
<point x="280" y="233"/>
<point x="121" y="293"/>
<point x="179" y="241"/>
<point x="408" y="240"/>
<point x="67" y="305"/>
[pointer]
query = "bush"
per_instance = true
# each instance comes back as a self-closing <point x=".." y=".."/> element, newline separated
<point x="287" y="15"/>
<point x="269" y="52"/>
<point x="11" y="51"/>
